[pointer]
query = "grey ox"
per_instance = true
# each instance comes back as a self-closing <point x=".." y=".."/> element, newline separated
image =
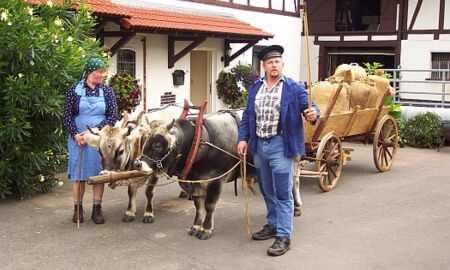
<point x="166" y="149"/>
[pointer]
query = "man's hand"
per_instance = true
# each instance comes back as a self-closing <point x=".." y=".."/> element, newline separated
<point x="311" y="114"/>
<point x="242" y="149"/>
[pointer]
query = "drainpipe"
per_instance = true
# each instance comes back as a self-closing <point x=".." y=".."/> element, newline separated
<point x="144" y="79"/>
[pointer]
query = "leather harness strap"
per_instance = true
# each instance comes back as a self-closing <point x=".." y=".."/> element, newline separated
<point x="195" y="142"/>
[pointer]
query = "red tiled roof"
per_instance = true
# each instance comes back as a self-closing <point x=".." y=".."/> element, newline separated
<point x="165" y="21"/>
<point x="174" y="21"/>
<point x="103" y="7"/>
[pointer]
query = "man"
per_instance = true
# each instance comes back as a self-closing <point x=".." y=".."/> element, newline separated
<point x="272" y="125"/>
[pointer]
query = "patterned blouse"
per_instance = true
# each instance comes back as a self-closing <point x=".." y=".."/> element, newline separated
<point x="72" y="104"/>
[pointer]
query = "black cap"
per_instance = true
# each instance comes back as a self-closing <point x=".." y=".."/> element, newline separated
<point x="269" y="52"/>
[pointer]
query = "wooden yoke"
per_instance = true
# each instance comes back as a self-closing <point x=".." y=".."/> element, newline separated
<point x="195" y="142"/>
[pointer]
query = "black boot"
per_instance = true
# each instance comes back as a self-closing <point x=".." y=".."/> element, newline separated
<point x="280" y="246"/>
<point x="267" y="232"/>
<point x="97" y="214"/>
<point x="78" y="215"/>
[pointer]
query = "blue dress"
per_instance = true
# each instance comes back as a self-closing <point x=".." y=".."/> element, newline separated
<point x="92" y="111"/>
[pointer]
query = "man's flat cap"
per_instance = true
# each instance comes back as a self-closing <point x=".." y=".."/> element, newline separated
<point x="269" y="52"/>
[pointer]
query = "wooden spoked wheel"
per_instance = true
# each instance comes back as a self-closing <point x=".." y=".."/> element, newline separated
<point x="329" y="161"/>
<point x="385" y="143"/>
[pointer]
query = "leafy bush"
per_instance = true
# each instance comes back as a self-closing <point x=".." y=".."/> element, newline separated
<point x="232" y="87"/>
<point x="127" y="90"/>
<point x="401" y="132"/>
<point x="424" y="130"/>
<point x="43" y="50"/>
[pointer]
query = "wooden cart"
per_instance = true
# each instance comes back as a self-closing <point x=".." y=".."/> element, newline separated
<point x="324" y="140"/>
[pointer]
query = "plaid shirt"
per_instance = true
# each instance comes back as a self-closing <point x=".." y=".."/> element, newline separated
<point x="267" y="109"/>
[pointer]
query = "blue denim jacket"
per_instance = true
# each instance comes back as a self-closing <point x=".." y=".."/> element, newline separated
<point x="294" y="100"/>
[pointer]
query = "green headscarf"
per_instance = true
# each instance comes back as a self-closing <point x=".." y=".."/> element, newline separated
<point x="93" y="64"/>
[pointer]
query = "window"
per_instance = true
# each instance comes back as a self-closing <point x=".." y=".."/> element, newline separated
<point x="126" y="62"/>
<point x="440" y="61"/>
<point x="357" y="15"/>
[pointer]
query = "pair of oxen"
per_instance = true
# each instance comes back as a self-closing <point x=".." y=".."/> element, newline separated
<point x="159" y="143"/>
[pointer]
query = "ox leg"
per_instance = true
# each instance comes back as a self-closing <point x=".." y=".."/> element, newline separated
<point x="298" y="165"/>
<point x="131" y="211"/>
<point x="212" y="196"/>
<point x="199" y="202"/>
<point x="297" y="198"/>
<point x="149" y="192"/>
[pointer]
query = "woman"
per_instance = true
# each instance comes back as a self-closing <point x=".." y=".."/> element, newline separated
<point x="88" y="102"/>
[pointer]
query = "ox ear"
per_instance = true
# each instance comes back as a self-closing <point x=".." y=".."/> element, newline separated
<point x="170" y="125"/>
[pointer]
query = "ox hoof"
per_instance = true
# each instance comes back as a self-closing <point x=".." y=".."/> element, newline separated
<point x="297" y="212"/>
<point x="193" y="232"/>
<point x="204" y="235"/>
<point x="183" y="195"/>
<point x="127" y="218"/>
<point x="148" y="219"/>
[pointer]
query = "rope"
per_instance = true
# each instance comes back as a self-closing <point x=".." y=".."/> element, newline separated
<point x="244" y="187"/>
<point x="201" y="181"/>
<point x="224" y="151"/>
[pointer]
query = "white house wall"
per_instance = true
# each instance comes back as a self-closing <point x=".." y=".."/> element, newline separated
<point x="428" y="16"/>
<point x="416" y="55"/>
<point x="286" y="29"/>
<point x="314" y="61"/>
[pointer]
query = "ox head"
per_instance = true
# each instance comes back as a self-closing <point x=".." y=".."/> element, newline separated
<point x="117" y="145"/>
<point x="159" y="150"/>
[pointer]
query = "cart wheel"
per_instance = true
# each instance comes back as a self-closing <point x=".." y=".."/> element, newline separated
<point x="329" y="160"/>
<point x="385" y="143"/>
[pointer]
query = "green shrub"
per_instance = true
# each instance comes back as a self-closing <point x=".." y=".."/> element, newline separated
<point x="401" y="132"/>
<point x="43" y="50"/>
<point x="424" y="130"/>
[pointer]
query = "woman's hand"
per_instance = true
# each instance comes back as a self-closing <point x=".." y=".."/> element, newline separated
<point x="80" y="139"/>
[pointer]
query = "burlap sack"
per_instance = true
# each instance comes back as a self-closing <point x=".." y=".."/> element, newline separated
<point x="381" y="84"/>
<point x="364" y="95"/>
<point x="322" y="93"/>
<point x="357" y="73"/>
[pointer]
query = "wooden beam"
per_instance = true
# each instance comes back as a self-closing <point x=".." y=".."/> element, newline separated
<point x="121" y="42"/>
<point x="99" y="27"/>
<point x="441" y="18"/>
<point x="226" y="58"/>
<point x="414" y="17"/>
<point x="173" y="58"/>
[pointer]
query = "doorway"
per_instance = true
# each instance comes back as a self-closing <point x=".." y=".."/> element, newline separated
<point x="200" y="83"/>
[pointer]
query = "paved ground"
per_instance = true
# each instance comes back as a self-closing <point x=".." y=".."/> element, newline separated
<point x="395" y="220"/>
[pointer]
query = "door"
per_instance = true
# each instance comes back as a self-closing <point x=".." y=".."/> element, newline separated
<point x="200" y="85"/>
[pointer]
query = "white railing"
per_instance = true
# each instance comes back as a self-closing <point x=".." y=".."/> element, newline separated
<point x="426" y="88"/>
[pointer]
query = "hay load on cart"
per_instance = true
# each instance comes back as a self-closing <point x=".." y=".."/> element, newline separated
<point x="352" y="109"/>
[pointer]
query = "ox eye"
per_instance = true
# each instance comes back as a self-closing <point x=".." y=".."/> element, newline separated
<point x="157" y="145"/>
<point x="120" y="152"/>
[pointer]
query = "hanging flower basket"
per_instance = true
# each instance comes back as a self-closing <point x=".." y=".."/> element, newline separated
<point x="127" y="90"/>
<point x="232" y="86"/>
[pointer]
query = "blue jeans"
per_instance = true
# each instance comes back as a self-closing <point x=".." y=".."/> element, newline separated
<point x="275" y="178"/>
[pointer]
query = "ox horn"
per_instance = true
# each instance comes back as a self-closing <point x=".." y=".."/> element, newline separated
<point x="125" y="119"/>
<point x="91" y="131"/>
<point x="139" y="118"/>
<point x="170" y="125"/>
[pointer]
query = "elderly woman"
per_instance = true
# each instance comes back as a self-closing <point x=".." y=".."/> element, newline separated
<point x="88" y="102"/>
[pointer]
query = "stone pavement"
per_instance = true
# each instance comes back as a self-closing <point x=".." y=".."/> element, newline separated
<point x="394" y="220"/>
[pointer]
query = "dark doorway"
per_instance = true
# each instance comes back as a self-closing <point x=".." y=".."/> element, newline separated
<point x="337" y="58"/>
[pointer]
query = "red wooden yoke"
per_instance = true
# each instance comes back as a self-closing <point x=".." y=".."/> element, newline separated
<point x="196" y="141"/>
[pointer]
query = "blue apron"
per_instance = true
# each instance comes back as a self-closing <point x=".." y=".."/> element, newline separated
<point x="92" y="111"/>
